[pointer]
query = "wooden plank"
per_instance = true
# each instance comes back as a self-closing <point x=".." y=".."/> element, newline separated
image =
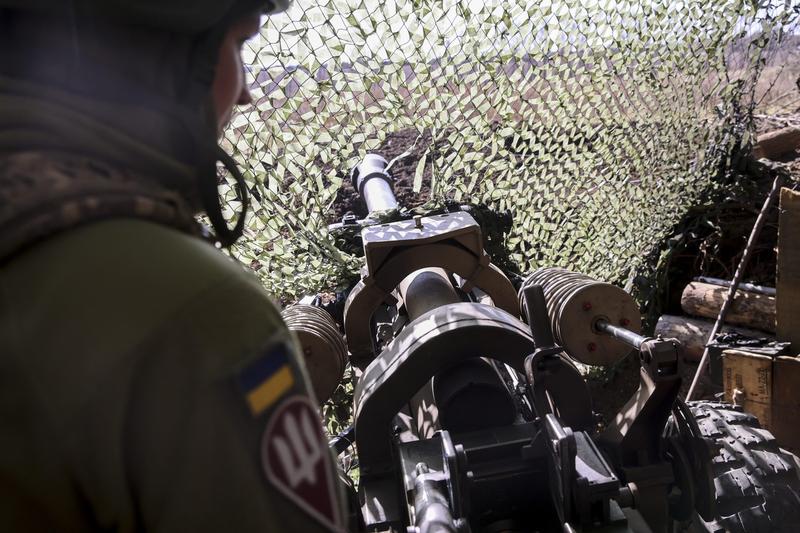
<point x="748" y="309"/>
<point x="788" y="284"/>
<point x="786" y="402"/>
<point x="747" y="379"/>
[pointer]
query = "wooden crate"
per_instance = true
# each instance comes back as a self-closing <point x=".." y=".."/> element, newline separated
<point x="768" y="388"/>
<point x="786" y="401"/>
<point x="747" y="379"/>
<point x="785" y="411"/>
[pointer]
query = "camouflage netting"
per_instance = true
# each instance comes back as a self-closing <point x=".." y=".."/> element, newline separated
<point x="597" y="123"/>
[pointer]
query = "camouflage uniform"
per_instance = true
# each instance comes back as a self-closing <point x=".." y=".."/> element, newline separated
<point x="147" y="382"/>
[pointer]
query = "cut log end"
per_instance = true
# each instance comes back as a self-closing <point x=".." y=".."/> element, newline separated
<point x="774" y="144"/>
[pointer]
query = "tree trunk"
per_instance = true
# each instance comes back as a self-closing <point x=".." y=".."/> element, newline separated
<point x="693" y="333"/>
<point x="749" y="309"/>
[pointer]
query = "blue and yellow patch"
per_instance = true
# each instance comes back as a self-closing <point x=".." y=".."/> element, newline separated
<point x="268" y="378"/>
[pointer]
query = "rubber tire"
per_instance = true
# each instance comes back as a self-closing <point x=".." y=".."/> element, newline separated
<point x="757" y="483"/>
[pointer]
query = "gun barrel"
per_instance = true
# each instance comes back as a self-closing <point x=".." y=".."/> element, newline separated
<point x="425" y="290"/>
<point x="374" y="184"/>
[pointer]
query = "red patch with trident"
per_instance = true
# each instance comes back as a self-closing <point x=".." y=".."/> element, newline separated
<point x="296" y="460"/>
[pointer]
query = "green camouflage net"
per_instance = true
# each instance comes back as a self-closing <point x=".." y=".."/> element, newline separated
<point x="597" y="123"/>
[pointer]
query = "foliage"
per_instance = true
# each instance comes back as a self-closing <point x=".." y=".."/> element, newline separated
<point x="337" y="412"/>
<point x="596" y="123"/>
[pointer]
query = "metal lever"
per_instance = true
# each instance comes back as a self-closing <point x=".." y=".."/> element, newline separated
<point x="538" y="319"/>
<point x="556" y="385"/>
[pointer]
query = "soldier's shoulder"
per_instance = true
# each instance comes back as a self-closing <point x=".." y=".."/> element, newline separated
<point x="131" y="249"/>
<point x="126" y="277"/>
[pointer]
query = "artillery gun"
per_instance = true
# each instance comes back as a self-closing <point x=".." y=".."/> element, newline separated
<point x="470" y="414"/>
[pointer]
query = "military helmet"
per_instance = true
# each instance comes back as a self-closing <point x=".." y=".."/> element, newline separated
<point x="181" y="16"/>
<point x="189" y="31"/>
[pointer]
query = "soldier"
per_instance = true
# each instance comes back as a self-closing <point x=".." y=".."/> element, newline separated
<point x="147" y="382"/>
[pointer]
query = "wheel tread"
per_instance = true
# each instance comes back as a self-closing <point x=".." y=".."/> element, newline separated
<point x="757" y="483"/>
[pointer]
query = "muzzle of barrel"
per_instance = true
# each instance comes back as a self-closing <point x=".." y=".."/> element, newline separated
<point x="374" y="184"/>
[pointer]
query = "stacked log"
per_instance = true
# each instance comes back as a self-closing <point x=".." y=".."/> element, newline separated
<point x="774" y="144"/>
<point x="752" y="315"/>
<point x="749" y="309"/>
<point x="693" y="333"/>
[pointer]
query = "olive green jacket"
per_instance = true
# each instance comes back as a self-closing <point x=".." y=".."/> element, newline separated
<point x="128" y="399"/>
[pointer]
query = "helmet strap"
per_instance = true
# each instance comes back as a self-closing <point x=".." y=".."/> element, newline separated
<point x="209" y="195"/>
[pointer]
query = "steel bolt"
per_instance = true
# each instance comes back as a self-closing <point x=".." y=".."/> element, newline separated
<point x="418" y="221"/>
<point x="592" y="347"/>
<point x="587" y="306"/>
<point x="385" y="332"/>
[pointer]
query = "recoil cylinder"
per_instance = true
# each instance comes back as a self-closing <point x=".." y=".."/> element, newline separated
<point x="324" y="349"/>
<point x="576" y="303"/>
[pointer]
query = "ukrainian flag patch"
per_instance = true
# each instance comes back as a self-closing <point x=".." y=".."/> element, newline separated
<point x="267" y="379"/>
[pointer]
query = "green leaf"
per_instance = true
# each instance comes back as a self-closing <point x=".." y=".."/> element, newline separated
<point x="419" y="172"/>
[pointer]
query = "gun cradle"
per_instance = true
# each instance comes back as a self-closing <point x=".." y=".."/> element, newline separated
<point x="499" y="430"/>
<point x="393" y="251"/>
